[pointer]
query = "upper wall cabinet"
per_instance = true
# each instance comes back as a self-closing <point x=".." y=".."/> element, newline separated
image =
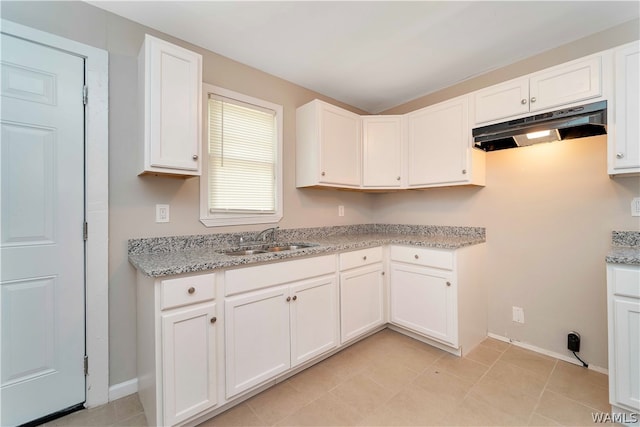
<point x="571" y="82"/>
<point x="624" y="147"/>
<point x="170" y="82"/>
<point x="439" y="146"/>
<point x="382" y="152"/>
<point x="327" y="146"/>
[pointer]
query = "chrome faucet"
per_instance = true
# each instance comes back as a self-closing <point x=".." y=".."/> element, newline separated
<point x="261" y="236"/>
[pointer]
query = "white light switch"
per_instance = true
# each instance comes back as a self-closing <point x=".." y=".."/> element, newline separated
<point x="635" y="206"/>
<point x="162" y="213"/>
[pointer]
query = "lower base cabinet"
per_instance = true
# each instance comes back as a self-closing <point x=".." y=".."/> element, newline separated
<point x="272" y="330"/>
<point x="624" y="337"/>
<point x="177" y="334"/>
<point x="440" y="294"/>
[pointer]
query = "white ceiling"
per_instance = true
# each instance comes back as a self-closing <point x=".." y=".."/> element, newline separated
<point x="376" y="55"/>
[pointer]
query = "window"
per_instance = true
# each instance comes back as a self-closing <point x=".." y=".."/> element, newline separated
<point x="242" y="167"/>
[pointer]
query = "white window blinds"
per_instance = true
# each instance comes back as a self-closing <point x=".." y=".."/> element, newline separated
<point x="242" y="157"/>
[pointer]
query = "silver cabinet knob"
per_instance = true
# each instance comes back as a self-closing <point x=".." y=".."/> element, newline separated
<point x="323" y="174"/>
<point x="364" y="258"/>
<point x="398" y="178"/>
<point x="464" y="171"/>
<point x="416" y="256"/>
<point x="382" y="273"/>
<point x="448" y="283"/>
<point x="295" y="297"/>
<point x="191" y="290"/>
<point x="288" y="299"/>
<point x="533" y="99"/>
<point x="213" y="320"/>
<point x="619" y="155"/>
<point x="523" y="101"/>
<point x="194" y="157"/>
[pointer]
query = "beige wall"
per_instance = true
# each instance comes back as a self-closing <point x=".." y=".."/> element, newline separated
<point x="548" y="209"/>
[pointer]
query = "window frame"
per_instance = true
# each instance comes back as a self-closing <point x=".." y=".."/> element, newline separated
<point x="220" y="219"/>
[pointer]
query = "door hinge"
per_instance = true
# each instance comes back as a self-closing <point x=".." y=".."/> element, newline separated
<point x="85" y="94"/>
<point x="85" y="230"/>
<point x="86" y="365"/>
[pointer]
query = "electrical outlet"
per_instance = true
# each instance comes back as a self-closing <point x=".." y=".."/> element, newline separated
<point x="635" y="206"/>
<point x="518" y="314"/>
<point x="340" y="210"/>
<point x="162" y="213"/>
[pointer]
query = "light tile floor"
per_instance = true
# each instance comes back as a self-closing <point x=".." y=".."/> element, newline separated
<point x="389" y="379"/>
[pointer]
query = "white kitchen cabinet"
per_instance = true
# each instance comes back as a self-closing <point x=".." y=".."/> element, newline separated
<point x="177" y="325"/>
<point x="561" y="85"/>
<point x="623" y="288"/>
<point x="362" y="292"/>
<point x="440" y="294"/>
<point x="328" y="146"/>
<point x="291" y="318"/>
<point x="170" y="82"/>
<point x="439" y="146"/>
<point x="382" y="152"/>
<point x="624" y="145"/>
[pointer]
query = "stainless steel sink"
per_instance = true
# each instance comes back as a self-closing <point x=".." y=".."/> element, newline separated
<point x="276" y="247"/>
<point x="291" y="247"/>
<point x="245" y="252"/>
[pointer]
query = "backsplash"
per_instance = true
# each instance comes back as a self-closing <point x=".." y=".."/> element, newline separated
<point x="629" y="239"/>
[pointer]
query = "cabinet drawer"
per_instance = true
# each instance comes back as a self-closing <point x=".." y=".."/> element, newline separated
<point x="186" y="290"/>
<point x="263" y="276"/>
<point x="359" y="258"/>
<point x="626" y="280"/>
<point x="428" y="257"/>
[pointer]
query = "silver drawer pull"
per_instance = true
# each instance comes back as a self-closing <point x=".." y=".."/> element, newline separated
<point x="416" y="256"/>
<point x="191" y="290"/>
<point x="213" y="320"/>
<point x="364" y="258"/>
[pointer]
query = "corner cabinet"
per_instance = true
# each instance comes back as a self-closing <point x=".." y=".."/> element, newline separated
<point x="438" y="294"/>
<point x="623" y="290"/>
<point x="177" y="344"/>
<point x="440" y="149"/>
<point x="170" y="82"/>
<point x="382" y="152"/>
<point x="624" y="147"/>
<point x="328" y="146"/>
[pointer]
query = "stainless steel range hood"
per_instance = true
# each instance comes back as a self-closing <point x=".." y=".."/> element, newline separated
<point x="570" y="123"/>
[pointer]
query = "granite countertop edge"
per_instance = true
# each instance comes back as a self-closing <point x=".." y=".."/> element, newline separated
<point x="156" y="262"/>
<point x="625" y="248"/>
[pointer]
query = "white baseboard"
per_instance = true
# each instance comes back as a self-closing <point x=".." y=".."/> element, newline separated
<point x="123" y="389"/>
<point x="562" y="357"/>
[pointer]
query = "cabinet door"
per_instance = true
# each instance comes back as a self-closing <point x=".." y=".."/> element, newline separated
<point x="625" y="155"/>
<point x="340" y="146"/>
<point x="502" y="100"/>
<point x="627" y="348"/>
<point x="565" y="84"/>
<point x="424" y="300"/>
<point x="173" y="94"/>
<point x="439" y="143"/>
<point x="256" y="337"/>
<point x="361" y="301"/>
<point x="188" y="362"/>
<point x="314" y="318"/>
<point x="382" y="151"/>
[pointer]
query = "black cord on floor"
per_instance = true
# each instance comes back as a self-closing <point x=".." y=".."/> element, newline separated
<point x="583" y="362"/>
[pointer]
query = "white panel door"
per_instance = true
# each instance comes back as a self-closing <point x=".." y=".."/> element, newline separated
<point x="256" y="338"/>
<point x="189" y="362"/>
<point x="340" y="151"/>
<point x="314" y="318"/>
<point x="502" y="100"/>
<point x="361" y="300"/>
<point x="626" y="154"/>
<point x="627" y="341"/>
<point x="382" y="151"/>
<point x="42" y="246"/>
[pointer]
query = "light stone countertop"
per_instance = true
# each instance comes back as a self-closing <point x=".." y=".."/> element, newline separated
<point x="625" y="248"/>
<point x="158" y="257"/>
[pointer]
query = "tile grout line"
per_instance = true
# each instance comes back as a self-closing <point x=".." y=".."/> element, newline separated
<point x="546" y="384"/>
